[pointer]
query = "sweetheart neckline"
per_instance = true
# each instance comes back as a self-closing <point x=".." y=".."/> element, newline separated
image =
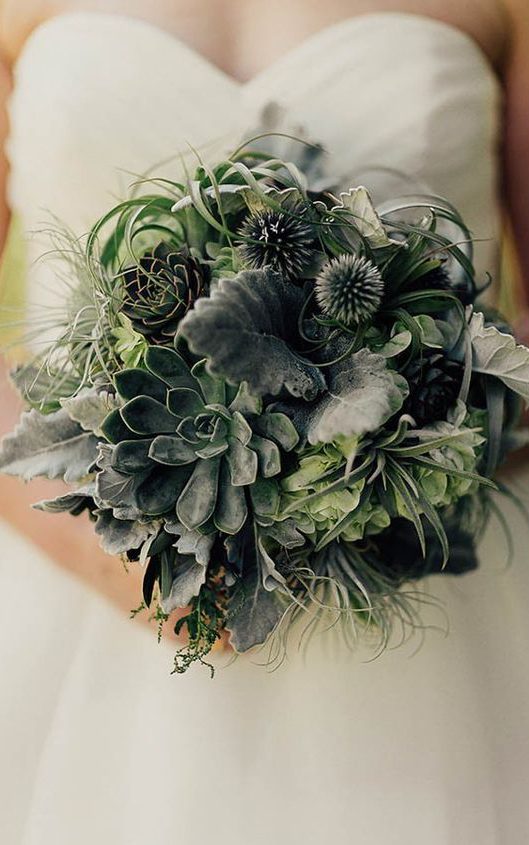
<point x="320" y="36"/>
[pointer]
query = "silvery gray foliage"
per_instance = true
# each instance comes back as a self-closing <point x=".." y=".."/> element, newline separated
<point x="262" y="595"/>
<point x="115" y="490"/>
<point x="189" y="574"/>
<point x="90" y="407"/>
<point x="191" y="542"/>
<point x="254" y="614"/>
<point x="363" y="393"/>
<point x="51" y="445"/>
<point x="497" y="354"/>
<point x="246" y="329"/>
<point x="70" y="502"/>
<point x="118" y="535"/>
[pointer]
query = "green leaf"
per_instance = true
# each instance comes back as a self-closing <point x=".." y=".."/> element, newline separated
<point x="231" y="511"/>
<point x="213" y="389"/>
<point x="136" y="382"/>
<point x="114" y="429"/>
<point x="268" y="454"/>
<point x="118" y="535"/>
<point x="158" y="493"/>
<point x="73" y="502"/>
<point x="243" y="464"/>
<point x="240" y="428"/>
<point x="147" y="416"/>
<point x="194" y="543"/>
<point x="497" y="354"/>
<point x="265" y="497"/>
<point x="247" y="321"/>
<point x="169" y="366"/>
<point x="198" y="500"/>
<point x="118" y="490"/>
<point x="396" y="344"/>
<point x="407" y="496"/>
<point x="254" y="615"/>
<point x="363" y="394"/>
<point x="245" y="402"/>
<point x="188" y="575"/>
<point x="89" y="408"/>
<point x="278" y="427"/>
<point x="212" y="449"/>
<point x="51" y="445"/>
<point x="184" y="402"/>
<point x="431" y="335"/>
<point x="131" y="456"/>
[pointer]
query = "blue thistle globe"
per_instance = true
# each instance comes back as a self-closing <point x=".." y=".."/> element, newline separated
<point x="280" y="239"/>
<point x="350" y="289"/>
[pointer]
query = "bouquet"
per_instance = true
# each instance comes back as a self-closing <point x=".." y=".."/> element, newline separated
<point x="280" y="401"/>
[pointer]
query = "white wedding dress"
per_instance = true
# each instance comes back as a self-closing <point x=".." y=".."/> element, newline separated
<point x="99" y="743"/>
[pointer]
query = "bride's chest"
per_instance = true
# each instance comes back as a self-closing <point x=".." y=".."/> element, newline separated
<point x="242" y="37"/>
<point x="401" y="102"/>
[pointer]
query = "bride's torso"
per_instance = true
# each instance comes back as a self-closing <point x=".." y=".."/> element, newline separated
<point x="402" y="102"/>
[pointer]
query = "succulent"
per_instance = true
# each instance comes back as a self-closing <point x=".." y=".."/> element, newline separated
<point x="350" y="289"/>
<point x="280" y="239"/>
<point x="438" y="278"/>
<point x="186" y="443"/>
<point x="159" y="291"/>
<point x="434" y="382"/>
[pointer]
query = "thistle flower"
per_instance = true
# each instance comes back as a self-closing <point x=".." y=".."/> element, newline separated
<point x="350" y="289"/>
<point x="277" y="239"/>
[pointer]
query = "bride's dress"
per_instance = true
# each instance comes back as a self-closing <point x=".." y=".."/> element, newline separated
<point x="99" y="744"/>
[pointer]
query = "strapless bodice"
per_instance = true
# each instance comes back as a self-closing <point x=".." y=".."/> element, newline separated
<point x="400" y="101"/>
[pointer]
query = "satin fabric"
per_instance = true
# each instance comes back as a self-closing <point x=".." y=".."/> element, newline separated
<point x="428" y="743"/>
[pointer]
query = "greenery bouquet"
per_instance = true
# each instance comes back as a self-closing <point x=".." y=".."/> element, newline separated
<point x="280" y="401"/>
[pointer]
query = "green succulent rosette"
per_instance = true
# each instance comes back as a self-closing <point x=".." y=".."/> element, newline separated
<point x="185" y="444"/>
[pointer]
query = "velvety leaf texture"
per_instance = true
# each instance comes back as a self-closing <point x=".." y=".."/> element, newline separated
<point x="497" y="354"/>
<point x="188" y="576"/>
<point x="247" y="321"/>
<point x="363" y="394"/>
<point x="89" y="408"/>
<point x="53" y="446"/>
<point x="73" y="502"/>
<point x="255" y="613"/>
<point x="192" y="542"/>
<point x="118" y="535"/>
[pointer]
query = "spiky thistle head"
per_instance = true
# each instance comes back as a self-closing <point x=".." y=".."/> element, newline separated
<point x="350" y="289"/>
<point x="280" y="239"/>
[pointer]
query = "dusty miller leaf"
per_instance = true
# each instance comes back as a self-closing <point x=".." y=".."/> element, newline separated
<point x="188" y="577"/>
<point x="118" y="535"/>
<point x="192" y="542"/>
<point x="245" y="329"/>
<point x="89" y="408"/>
<point x="51" y="445"/>
<point x="497" y="354"/>
<point x="363" y="394"/>
<point x="254" y="614"/>
<point x="73" y="502"/>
